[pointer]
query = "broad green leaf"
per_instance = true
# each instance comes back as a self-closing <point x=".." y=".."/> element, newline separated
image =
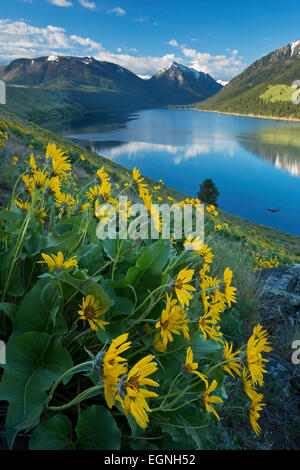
<point x="150" y="263"/>
<point x="9" y="310"/>
<point x="52" y="434"/>
<point x="38" y="311"/>
<point x="34" y="361"/>
<point x="90" y="257"/>
<point x="85" y="287"/>
<point x="97" y="430"/>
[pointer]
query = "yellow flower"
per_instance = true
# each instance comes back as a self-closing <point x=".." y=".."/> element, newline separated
<point x="39" y="179"/>
<point x="229" y="291"/>
<point x="65" y="202"/>
<point x="93" y="193"/>
<point x="256" y="406"/>
<point x="208" y="399"/>
<point x="29" y="183"/>
<point x="173" y="320"/>
<point x="84" y="207"/>
<point x="257" y="344"/>
<point x="193" y="244"/>
<point x="182" y="286"/>
<point x="57" y="261"/>
<point x="152" y="211"/>
<point x="234" y="364"/>
<point x="82" y="158"/>
<point x="207" y="326"/>
<point x="158" y="344"/>
<point x="248" y="385"/>
<point x="113" y="367"/>
<point x="24" y="206"/>
<point x="191" y="366"/>
<point x="91" y="311"/>
<point x="54" y="185"/>
<point x="141" y="186"/>
<point x="103" y="176"/>
<point x="60" y="163"/>
<point x="135" y="401"/>
<point x="32" y="163"/>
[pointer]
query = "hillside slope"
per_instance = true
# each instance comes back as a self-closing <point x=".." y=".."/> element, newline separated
<point x="264" y="88"/>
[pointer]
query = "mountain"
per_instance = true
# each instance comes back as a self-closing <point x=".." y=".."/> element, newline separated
<point x="264" y="88"/>
<point x="92" y="85"/>
<point x="182" y="85"/>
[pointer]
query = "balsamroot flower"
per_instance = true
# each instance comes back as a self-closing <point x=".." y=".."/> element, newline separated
<point x="208" y="398"/>
<point x="191" y="366"/>
<point x="113" y="367"/>
<point x="141" y="186"/>
<point x="207" y="325"/>
<point x="182" y="286"/>
<point x="256" y="406"/>
<point x="57" y="261"/>
<point x="91" y="310"/>
<point x="103" y="176"/>
<point x="134" y="401"/>
<point x="229" y="291"/>
<point x="257" y="344"/>
<point x="173" y="320"/>
<point x="61" y="166"/>
<point x="234" y="364"/>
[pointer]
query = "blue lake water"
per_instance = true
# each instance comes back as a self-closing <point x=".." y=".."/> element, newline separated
<point x="255" y="163"/>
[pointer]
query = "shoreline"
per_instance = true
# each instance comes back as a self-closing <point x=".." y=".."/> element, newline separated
<point x="273" y="118"/>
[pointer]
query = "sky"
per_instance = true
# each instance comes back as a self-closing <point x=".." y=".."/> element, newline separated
<point x="214" y="36"/>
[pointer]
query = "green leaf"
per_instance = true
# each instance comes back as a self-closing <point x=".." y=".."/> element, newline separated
<point x="55" y="243"/>
<point x="97" y="430"/>
<point x="34" y="361"/>
<point x="90" y="257"/>
<point x="9" y="310"/>
<point x="85" y="287"/>
<point x="34" y="244"/>
<point x="149" y="265"/>
<point x="39" y="308"/>
<point x="52" y="434"/>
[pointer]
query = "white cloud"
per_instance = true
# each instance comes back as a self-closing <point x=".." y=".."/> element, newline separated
<point x="61" y="3"/>
<point x="117" y="11"/>
<point x="86" y="4"/>
<point x="19" y="39"/>
<point x="173" y="42"/>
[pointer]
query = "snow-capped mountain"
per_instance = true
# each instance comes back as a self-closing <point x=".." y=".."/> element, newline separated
<point x="179" y="84"/>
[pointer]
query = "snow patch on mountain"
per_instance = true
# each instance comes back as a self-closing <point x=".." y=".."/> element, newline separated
<point x="52" y="58"/>
<point x="294" y="45"/>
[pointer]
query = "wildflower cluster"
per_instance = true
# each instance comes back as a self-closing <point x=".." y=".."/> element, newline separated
<point x="129" y="329"/>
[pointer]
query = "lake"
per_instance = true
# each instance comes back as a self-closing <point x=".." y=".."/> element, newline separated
<point x="255" y="163"/>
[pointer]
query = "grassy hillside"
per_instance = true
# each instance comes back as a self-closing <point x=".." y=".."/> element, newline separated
<point x="40" y="105"/>
<point x="263" y="89"/>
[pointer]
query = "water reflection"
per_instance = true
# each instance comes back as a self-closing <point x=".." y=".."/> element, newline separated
<point x="255" y="163"/>
<point x="180" y="153"/>
<point x="279" y="146"/>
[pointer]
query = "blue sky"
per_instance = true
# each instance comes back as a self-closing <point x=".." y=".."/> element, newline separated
<point x="218" y="37"/>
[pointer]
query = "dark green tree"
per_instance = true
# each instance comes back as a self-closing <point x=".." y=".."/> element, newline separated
<point x="208" y="192"/>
